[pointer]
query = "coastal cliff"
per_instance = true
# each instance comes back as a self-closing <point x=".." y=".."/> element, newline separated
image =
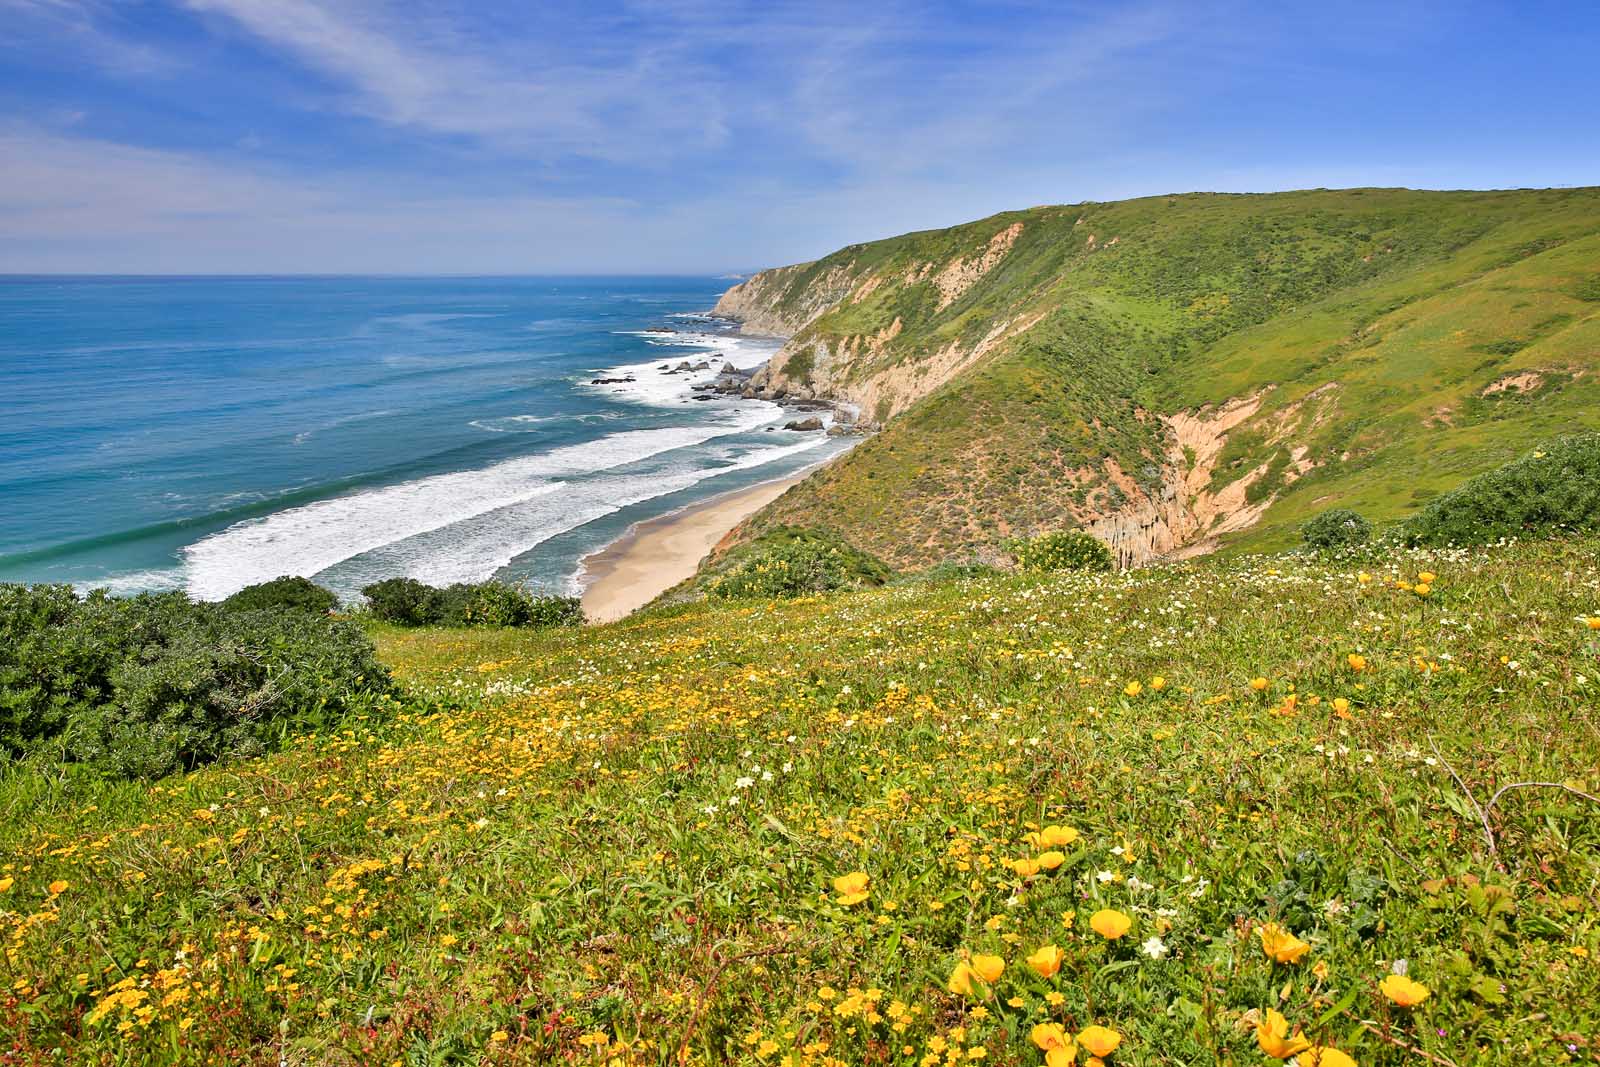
<point x="1179" y="373"/>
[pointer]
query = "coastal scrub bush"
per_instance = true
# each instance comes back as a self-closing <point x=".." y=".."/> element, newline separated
<point x="147" y="685"/>
<point x="1064" y="550"/>
<point x="949" y="571"/>
<point x="403" y="601"/>
<point x="1336" y="528"/>
<point x="789" y="562"/>
<point x="1551" y="490"/>
<point x="290" y="592"/>
<point x="408" y="602"/>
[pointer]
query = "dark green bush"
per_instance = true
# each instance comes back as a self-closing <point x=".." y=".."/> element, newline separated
<point x="147" y="685"/>
<point x="407" y="602"/>
<point x="404" y="602"/>
<point x="289" y="592"/>
<point x="940" y="573"/>
<point x="1552" y="490"/>
<point x="1064" y="550"/>
<point x="790" y="562"/>
<point x="1336" y="528"/>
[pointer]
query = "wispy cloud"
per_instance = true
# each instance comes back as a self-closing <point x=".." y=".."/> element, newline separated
<point x="528" y="92"/>
<point x="497" y="135"/>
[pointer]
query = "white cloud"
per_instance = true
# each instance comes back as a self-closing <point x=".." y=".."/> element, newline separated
<point x="545" y="96"/>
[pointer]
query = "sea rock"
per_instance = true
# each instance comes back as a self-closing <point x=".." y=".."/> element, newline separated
<point x="609" y="381"/>
<point x="813" y="423"/>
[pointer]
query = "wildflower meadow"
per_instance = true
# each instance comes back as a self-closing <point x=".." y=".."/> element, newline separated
<point x="1322" y="809"/>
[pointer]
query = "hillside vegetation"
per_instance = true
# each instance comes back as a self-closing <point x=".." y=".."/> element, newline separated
<point x="1173" y="815"/>
<point x="1179" y="372"/>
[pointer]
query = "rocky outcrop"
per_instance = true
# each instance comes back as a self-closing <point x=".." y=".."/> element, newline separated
<point x="784" y="300"/>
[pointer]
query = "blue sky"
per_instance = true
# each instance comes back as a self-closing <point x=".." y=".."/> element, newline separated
<point x="699" y="136"/>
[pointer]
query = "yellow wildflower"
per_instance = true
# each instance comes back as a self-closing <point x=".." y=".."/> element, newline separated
<point x="852" y="888"/>
<point x="1272" y="1034"/>
<point x="1099" y="1041"/>
<point x="1404" y="991"/>
<point x="1280" y="944"/>
<point x="1110" y="923"/>
<point x="1047" y="960"/>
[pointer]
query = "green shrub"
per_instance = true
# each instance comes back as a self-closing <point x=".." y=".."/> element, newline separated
<point x="152" y="684"/>
<point x="404" y="602"/>
<point x="790" y="562"/>
<point x="1554" y="489"/>
<point x="1336" y="528"/>
<point x="407" y="602"/>
<point x="940" y="573"/>
<point x="290" y="592"/>
<point x="1064" y="550"/>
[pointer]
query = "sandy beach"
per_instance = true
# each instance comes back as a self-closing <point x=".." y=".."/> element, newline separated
<point x="656" y="555"/>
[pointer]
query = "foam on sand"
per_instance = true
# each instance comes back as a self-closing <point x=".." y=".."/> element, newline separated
<point x="314" y="537"/>
<point x="476" y="548"/>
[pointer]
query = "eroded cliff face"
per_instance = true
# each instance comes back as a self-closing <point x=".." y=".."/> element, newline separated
<point x="784" y="300"/>
<point x="872" y="376"/>
<point x="1192" y="509"/>
<point x="854" y="375"/>
<point x="868" y="376"/>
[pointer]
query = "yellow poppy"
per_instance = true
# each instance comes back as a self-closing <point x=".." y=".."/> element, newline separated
<point x="58" y="887"/>
<point x="1272" y="1034"/>
<point x="1324" y="1056"/>
<point x="1281" y="945"/>
<point x="1025" y="867"/>
<point x="1100" y="1041"/>
<point x="988" y="967"/>
<point x="1049" y="861"/>
<point x="1053" y="837"/>
<point x="6" y="883"/>
<point x="1157" y="684"/>
<point x="960" y="980"/>
<point x="1133" y="689"/>
<point x="1110" y="923"/>
<point x="1357" y="661"/>
<point x="1404" y="991"/>
<point x="1047" y="960"/>
<point x="852" y="887"/>
<point x="1056" y="1043"/>
<point x="1428" y="577"/>
<point x="1421" y="589"/>
<point x="1259" y="684"/>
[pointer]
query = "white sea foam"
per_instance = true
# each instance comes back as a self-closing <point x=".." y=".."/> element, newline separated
<point x="529" y="423"/>
<point x="152" y="581"/>
<point x="361" y="416"/>
<point x="476" y="548"/>
<point x="313" y="537"/>
<point x="652" y="385"/>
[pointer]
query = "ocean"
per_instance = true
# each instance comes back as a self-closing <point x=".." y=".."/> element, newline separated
<point x="207" y="433"/>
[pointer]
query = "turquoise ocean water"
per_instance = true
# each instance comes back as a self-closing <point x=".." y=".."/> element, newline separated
<point x="206" y="433"/>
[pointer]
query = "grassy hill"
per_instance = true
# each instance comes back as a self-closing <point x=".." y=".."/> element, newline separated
<point x="778" y="832"/>
<point x="1182" y="371"/>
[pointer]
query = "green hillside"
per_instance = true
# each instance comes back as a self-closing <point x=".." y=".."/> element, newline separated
<point x="929" y="824"/>
<point x="1378" y="347"/>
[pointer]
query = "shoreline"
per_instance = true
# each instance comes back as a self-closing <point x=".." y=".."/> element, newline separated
<point x="656" y="554"/>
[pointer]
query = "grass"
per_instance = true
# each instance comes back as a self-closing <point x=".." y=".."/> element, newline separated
<point x="1410" y="304"/>
<point x="621" y="844"/>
